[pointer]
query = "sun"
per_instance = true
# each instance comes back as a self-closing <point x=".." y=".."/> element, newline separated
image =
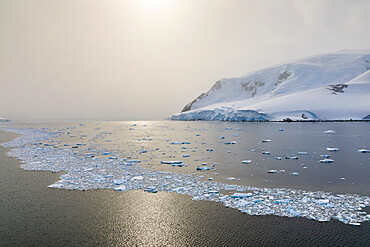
<point x="154" y="3"/>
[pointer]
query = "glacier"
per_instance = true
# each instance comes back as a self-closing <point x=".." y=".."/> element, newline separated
<point x="331" y="86"/>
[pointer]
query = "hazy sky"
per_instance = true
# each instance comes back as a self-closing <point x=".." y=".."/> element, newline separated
<point x="145" y="59"/>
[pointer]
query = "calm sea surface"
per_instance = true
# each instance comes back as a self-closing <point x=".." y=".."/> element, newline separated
<point x="32" y="214"/>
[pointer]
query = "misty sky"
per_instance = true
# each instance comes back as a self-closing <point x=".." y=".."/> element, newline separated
<point x="145" y="59"/>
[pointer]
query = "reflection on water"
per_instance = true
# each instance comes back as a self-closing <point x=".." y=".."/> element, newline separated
<point x="151" y="142"/>
<point x="33" y="215"/>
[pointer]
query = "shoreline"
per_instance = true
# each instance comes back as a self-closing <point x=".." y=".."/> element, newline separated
<point x="276" y="121"/>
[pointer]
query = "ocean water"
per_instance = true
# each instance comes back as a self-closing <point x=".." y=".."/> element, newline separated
<point x="36" y="215"/>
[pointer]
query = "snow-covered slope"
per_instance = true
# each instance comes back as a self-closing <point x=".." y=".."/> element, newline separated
<point x="332" y="86"/>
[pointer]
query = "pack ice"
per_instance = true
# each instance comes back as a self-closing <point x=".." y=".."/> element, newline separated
<point x="84" y="172"/>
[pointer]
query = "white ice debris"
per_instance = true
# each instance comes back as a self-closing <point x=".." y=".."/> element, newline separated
<point x="329" y="132"/>
<point x="246" y="161"/>
<point x="326" y="161"/>
<point x="272" y="171"/>
<point x="168" y="162"/>
<point x="83" y="173"/>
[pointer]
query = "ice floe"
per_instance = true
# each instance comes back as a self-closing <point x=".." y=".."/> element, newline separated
<point x="121" y="174"/>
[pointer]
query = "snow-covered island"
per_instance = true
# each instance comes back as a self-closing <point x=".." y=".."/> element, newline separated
<point x="4" y="119"/>
<point x="333" y="86"/>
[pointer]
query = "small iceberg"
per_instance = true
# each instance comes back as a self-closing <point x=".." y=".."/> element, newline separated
<point x="246" y="161"/>
<point x="329" y="132"/>
<point x="326" y="161"/>
<point x="151" y="190"/>
<point x="120" y="188"/>
<point x="167" y="162"/>
<point x="302" y="153"/>
<point x="203" y="168"/>
<point x="241" y="195"/>
<point x="272" y="171"/>
<point x="291" y="157"/>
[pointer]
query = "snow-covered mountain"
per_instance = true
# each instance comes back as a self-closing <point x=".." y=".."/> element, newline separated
<point x="333" y="86"/>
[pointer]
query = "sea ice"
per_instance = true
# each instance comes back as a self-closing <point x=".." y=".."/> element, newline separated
<point x="98" y="172"/>
<point x="246" y="161"/>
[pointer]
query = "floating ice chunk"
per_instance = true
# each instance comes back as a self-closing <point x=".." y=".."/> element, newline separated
<point x="151" y="189"/>
<point x="278" y="158"/>
<point x="329" y="131"/>
<point x="272" y="171"/>
<point x="326" y="161"/>
<point x="294" y="173"/>
<point x="332" y="149"/>
<point x="168" y="162"/>
<point x="179" y="165"/>
<point x="56" y="186"/>
<point x="267" y="140"/>
<point x="291" y="157"/>
<point x="137" y="178"/>
<point x="118" y="181"/>
<point x="180" y="142"/>
<point x="133" y="161"/>
<point x="283" y="201"/>
<point x="241" y="195"/>
<point x="302" y="153"/>
<point x="246" y="161"/>
<point x="120" y="188"/>
<point x="363" y="151"/>
<point x="203" y="168"/>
